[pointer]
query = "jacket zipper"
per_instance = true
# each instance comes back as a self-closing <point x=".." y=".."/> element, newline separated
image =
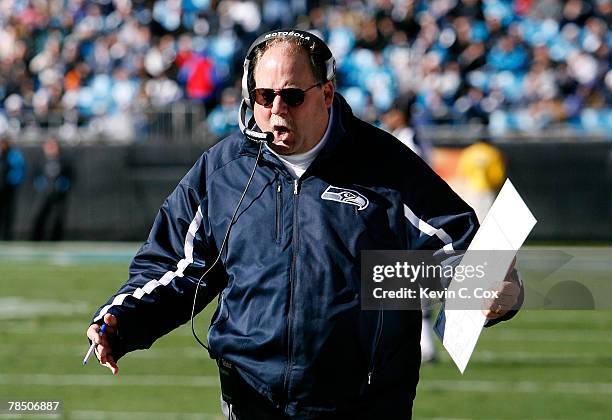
<point x="291" y="284"/>
<point x="279" y="203"/>
<point x="377" y="335"/>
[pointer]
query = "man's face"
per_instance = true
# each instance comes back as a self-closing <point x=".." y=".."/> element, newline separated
<point x="296" y="129"/>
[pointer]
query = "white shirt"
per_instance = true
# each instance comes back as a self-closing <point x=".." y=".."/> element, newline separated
<point x="298" y="164"/>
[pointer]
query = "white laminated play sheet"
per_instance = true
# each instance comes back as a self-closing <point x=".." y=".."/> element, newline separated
<point x="505" y="228"/>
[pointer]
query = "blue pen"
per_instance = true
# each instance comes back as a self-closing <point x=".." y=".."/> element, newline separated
<point x="93" y="345"/>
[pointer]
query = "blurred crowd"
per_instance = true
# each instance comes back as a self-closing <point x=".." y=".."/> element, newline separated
<point x="105" y="66"/>
<point x="51" y="177"/>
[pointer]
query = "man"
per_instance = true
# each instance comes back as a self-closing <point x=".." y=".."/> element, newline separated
<point x="397" y="121"/>
<point x="12" y="173"/>
<point x="52" y="181"/>
<point x="289" y="334"/>
<point x="482" y="171"/>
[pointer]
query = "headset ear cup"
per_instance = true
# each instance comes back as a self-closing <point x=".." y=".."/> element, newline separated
<point x="246" y="95"/>
<point x="330" y="64"/>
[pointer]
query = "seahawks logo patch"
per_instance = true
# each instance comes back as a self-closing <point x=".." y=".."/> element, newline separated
<point x="342" y="195"/>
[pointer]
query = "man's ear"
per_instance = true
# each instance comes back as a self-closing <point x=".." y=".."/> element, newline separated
<point x="328" y="93"/>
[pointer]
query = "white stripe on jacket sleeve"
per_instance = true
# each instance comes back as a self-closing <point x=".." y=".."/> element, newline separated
<point x="429" y="230"/>
<point x="168" y="276"/>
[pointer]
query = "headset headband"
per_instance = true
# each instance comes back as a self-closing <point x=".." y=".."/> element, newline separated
<point x="317" y="47"/>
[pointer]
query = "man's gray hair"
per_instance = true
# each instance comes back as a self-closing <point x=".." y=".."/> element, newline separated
<point x="297" y="44"/>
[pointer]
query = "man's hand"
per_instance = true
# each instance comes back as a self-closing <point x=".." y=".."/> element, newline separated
<point x="103" y="350"/>
<point x="508" y="294"/>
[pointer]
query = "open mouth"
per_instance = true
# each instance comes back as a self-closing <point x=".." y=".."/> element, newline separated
<point x="281" y="129"/>
<point x="281" y="132"/>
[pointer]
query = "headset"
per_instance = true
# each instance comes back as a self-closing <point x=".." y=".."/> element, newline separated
<point x="316" y="48"/>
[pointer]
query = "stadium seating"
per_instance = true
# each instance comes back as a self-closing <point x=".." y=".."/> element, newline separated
<point x="72" y="65"/>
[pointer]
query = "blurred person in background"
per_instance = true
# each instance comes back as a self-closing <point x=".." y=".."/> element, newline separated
<point x="481" y="171"/>
<point x="222" y="120"/>
<point x="12" y="173"/>
<point x="52" y="182"/>
<point x="397" y="122"/>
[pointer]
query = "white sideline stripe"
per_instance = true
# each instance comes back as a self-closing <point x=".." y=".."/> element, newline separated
<point x="213" y="381"/>
<point x="470" y="418"/>
<point x="146" y="415"/>
<point x="428" y="229"/>
<point x="508" y="333"/>
<point x="149" y="415"/>
<point x="104" y="415"/>
<point x="578" y="359"/>
<point x="489" y="356"/>
<point x="109" y="380"/>
<point x="448" y="418"/>
<point x="550" y="335"/>
<point x="169" y="276"/>
<point x="524" y="356"/>
<point x="20" y="308"/>
<point x="481" y="355"/>
<point x="518" y="386"/>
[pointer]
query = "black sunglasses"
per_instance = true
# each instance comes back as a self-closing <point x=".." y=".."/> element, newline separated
<point x="291" y="96"/>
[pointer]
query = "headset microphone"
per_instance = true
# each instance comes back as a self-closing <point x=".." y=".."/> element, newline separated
<point x="266" y="137"/>
<point x="256" y="136"/>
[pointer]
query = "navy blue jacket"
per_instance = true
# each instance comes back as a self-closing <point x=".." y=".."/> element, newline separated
<point x="289" y="310"/>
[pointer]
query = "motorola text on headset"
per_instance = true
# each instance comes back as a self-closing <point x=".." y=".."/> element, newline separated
<point x="317" y="47"/>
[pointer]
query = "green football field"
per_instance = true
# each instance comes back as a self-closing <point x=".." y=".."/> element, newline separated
<point x="541" y="365"/>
